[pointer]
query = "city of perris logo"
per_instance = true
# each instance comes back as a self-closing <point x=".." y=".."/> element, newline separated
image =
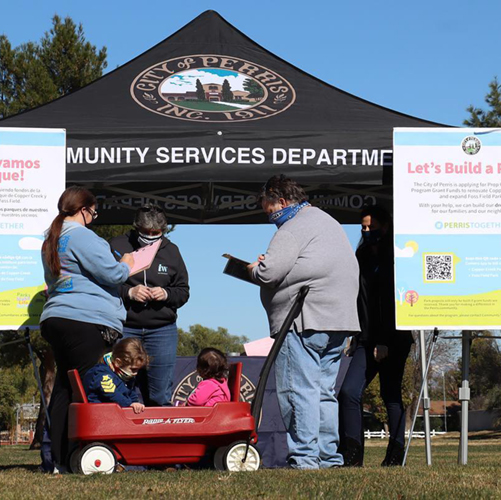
<point x="212" y="88"/>
<point x="471" y="145"/>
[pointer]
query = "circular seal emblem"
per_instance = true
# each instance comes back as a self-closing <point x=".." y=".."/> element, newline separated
<point x="188" y="384"/>
<point x="212" y="88"/>
<point x="471" y="145"/>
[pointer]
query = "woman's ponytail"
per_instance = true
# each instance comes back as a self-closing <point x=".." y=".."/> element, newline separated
<point x="71" y="202"/>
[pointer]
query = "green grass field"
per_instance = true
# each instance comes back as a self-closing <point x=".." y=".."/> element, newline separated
<point x="481" y="479"/>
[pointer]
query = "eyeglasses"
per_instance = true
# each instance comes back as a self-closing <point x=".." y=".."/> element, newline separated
<point x="93" y="213"/>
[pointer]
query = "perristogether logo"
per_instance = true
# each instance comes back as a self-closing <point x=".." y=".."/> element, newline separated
<point x="212" y="88"/>
<point x="471" y="145"/>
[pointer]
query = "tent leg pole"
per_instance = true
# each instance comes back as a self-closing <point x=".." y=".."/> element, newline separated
<point x="464" y="397"/>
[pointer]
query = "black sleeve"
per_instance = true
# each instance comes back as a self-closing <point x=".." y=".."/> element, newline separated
<point x="178" y="292"/>
<point x="386" y="301"/>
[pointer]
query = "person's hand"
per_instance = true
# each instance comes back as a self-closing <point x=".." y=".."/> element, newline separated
<point x="260" y="258"/>
<point x="128" y="259"/>
<point x="137" y="407"/>
<point x="380" y="352"/>
<point x="140" y="293"/>
<point x="158" y="293"/>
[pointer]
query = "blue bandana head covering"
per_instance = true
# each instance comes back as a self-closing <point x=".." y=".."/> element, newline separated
<point x="280" y="217"/>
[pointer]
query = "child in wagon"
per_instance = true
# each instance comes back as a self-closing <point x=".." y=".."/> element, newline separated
<point x="212" y="366"/>
<point x="112" y="380"/>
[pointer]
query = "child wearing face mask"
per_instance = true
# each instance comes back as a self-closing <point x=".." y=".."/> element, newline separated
<point x="112" y="380"/>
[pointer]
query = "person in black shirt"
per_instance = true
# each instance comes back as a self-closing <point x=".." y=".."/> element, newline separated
<point x="379" y="348"/>
<point x="152" y="298"/>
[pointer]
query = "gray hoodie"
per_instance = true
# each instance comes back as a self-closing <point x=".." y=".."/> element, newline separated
<point x="310" y="249"/>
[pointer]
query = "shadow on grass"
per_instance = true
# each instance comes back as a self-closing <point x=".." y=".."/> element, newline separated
<point x="485" y="435"/>
<point x="27" y="467"/>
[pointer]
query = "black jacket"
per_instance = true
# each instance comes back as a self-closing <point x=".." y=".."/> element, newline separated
<point x="376" y="298"/>
<point x="167" y="271"/>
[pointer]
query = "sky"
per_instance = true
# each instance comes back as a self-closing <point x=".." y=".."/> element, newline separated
<point x="428" y="59"/>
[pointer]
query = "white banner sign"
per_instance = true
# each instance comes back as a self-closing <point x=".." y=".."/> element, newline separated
<point x="447" y="211"/>
<point x="32" y="178"/>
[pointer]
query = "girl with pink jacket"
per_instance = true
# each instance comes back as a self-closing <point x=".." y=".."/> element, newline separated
<point x="213" y="368"/>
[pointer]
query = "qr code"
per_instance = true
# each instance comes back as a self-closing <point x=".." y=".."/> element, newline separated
<point x="439" y="267"/>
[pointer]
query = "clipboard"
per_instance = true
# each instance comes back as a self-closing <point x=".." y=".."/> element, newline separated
<point x="237" y="268"/>
<point x="143" y="258"/>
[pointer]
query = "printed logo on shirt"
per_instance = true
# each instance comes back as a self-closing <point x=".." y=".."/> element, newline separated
<point x="163" y="269"/>
<point x="63" y="243"/>
<point x="107" y="384"/>
<point x="64" y="284"/>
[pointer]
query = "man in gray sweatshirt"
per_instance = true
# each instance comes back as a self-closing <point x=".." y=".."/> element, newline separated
<point x="309" y="248"/>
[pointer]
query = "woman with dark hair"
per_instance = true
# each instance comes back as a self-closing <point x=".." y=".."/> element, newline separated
<point x="379" y="348"/>
<point x="152" y="299"/>
<point x="309" y="248"/>
<point x="83" y="306"/>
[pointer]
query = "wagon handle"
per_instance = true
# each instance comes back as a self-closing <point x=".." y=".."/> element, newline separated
<point x="257" y="402"/>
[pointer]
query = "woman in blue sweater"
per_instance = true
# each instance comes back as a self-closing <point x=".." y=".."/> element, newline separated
<point x="84" y="308"/>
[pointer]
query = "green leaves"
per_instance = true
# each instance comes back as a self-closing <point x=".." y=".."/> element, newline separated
<point x="36" y="73"/>
<point x="490" y="117"/>
<point x="192" y="342"/>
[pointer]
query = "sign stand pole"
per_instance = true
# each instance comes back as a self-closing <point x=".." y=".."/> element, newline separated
<point x="464" y="397"/>
<point x="424" y="385"/>
<point x="426" y="399"/>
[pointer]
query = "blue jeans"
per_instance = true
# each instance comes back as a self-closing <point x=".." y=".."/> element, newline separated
<point x="306" y="369"/>
<point x="161" y="346"/>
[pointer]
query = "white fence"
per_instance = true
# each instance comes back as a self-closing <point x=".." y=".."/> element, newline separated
<point x="382" y="434"/>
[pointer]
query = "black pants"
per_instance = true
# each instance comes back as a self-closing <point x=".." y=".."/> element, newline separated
<point x="76" y="345"/>
<point x="363" y="368"/>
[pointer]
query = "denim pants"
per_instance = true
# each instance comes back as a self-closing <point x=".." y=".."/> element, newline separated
<point x="306" y="369"/>
<point x="363" y="368"/>
<point x="161" y="345"/>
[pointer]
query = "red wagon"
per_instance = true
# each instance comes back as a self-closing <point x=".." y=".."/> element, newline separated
<point x="106" y="434"/>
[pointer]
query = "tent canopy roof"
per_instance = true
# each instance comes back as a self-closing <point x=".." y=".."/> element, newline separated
<point x="149" y="121"/>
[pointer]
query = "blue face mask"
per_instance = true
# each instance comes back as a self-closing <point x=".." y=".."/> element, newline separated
<point x="281" y="216"/>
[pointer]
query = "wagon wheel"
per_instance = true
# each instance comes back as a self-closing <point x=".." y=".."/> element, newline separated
<point x="96" y="458"/>
<point x="233" y="458"/>
<point x="75" y="461"/>
<point x="219" y="458"/>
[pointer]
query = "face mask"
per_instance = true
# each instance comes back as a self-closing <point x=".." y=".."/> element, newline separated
<point x="372" y="236"/>
<point x="147" y="239"/>
<point x="124" y="374"/>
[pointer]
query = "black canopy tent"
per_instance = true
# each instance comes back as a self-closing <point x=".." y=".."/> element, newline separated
<point x="201" y="120"/>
